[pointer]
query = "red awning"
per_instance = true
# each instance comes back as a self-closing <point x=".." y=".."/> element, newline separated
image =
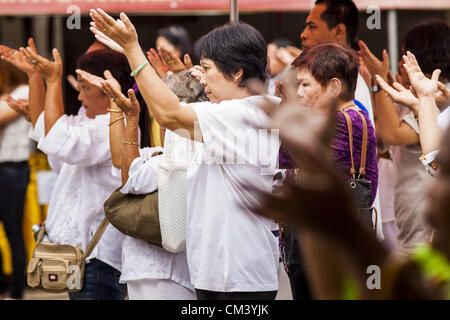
<point x="27" y="7"/>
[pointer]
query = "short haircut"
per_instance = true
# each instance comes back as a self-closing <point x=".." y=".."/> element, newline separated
<point x="430" y="43"/>
<point x="177" y="36"/>
<point x="341" y="11"/>
<point x="330" y="60"/>
<point x="233" y="47"/>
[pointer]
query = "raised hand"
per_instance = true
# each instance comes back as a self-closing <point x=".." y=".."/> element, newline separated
<point x="423" y="86"/>
<point x="100" y="36"/>
<point x="187" y="61"/>
<point x="21" y="106"/>
<point x="172" y="60"/>
<point x="443" y="96"/>
<point x="51" y="71"/>
<point x="197" y="71"/>
<point x="372" y="63"/>
<point x="125" y="37"/>
<point x="157" y="63"/>
<point x="73" y="81"/>
<point x="90" y="78"/>
<point x="399" y="94"/>
<point x="129" y="106"/>
<point x="17" y="58"/>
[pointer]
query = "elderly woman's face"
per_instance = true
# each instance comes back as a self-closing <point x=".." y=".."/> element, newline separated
<point x="92" y="98"/>
<point x="310" y="92"/>
<point x="217" y="87"/>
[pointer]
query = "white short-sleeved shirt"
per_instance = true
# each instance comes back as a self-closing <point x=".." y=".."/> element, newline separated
<point x="78" y="148"/>
<point x="15" y="146"/>
<point x="229" y="247"/>
<point x="140" y="259"/>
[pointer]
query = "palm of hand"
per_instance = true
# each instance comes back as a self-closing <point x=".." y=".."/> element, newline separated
<point x="406" y="97"/>
<point x="422" y="85"/>
<point x="49" y="70"/>
<point x="127" y="105"/>
<point x="16" y="58"/>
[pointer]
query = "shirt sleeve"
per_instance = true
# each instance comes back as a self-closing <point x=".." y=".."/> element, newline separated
<point x="78" y="141"/>
<point x="230" y="134"/>
<point x="143" y="173"/>
<point x="411" y="121"/>
<point x="444" y="119"/>
<point x="38" y="131"/>
<point x="429" y="162"/>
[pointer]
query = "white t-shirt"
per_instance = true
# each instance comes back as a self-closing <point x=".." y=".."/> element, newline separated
<point x="229" y="247"/>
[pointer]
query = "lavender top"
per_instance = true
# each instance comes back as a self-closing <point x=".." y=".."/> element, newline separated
<point x="341" y="147"/>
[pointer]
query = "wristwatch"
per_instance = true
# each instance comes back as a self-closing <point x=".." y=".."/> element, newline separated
<point x="375" y="88"/>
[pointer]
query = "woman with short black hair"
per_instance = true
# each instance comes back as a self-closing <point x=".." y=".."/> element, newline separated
<point x="232" y="253"/>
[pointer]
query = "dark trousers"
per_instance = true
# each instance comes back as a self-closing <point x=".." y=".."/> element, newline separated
<point x="101" y="282"/>
<point x="14" y="179"/>
<point x="299" y="282"/>
<point x="213" y="295"/>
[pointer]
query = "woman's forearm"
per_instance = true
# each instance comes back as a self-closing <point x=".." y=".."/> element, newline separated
<point x="391" y="129"/>
<point x="163" y="104"/>
<point x="430" y="132"/>
<point x="116" y="134"/>
<point x="36" y="98"/>
<point x="130" y="148"/>
<point x="54" y="105"/>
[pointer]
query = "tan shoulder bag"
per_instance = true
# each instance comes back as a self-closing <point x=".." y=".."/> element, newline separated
<point x="58" y="267"/>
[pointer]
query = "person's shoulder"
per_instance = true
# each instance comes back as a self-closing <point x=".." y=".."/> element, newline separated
<point x="21" y="92"/>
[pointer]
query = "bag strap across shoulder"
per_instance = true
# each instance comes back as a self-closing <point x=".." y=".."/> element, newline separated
<point x="98" y="234"/>
<point x="362" y="167"/>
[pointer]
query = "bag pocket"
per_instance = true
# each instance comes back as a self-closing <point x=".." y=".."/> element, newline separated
<point x="54" y="274"/>
<point x="33" y="272"/>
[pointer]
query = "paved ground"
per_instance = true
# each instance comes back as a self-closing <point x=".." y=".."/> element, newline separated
<point x="284" y="292"/>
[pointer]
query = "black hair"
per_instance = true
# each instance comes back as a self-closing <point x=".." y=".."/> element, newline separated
<point x="430" y="42"/>
<point x="341" y="11"/>
<point x="233" y="47"/>
<point x="96" y="62"/>
<point x="178" y="37"/>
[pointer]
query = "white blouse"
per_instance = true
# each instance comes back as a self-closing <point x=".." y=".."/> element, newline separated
<point x="140" y="259"/>
<point x="78" y="150"/>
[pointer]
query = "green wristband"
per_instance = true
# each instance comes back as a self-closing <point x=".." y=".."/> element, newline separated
<point x="138" y="69"/>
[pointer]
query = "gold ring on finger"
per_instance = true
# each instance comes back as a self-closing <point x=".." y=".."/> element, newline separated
<point x="34" y="62"/>
<point x="170" y="61"/>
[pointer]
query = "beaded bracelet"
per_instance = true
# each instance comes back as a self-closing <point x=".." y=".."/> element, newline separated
<point x="138" y="69"/>
<point x="115" y="120"/>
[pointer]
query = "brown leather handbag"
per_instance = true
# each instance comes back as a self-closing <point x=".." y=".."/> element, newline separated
<point x="359" y="187"/>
